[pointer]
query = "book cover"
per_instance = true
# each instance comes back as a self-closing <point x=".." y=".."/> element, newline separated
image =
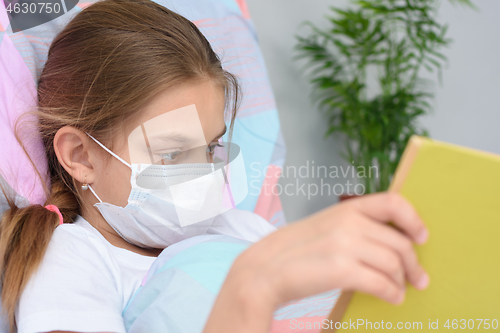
<point x="456" y="191"/>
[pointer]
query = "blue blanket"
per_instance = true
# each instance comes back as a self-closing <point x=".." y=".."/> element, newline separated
<point x="179" y="290"/>
<point x="181" y="286"/>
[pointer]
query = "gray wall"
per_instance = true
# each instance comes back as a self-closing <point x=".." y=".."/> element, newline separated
<point x="466" y="108"/>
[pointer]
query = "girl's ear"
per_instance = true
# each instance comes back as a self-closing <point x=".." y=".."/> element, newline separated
<point x="72" y="148"/>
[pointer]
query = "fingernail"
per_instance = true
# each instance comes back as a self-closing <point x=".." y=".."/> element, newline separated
<point x="422" y="236"/>
<point x="423" y="282"/>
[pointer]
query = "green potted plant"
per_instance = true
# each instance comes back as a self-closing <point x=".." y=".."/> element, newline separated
<point x="365" y="70"/>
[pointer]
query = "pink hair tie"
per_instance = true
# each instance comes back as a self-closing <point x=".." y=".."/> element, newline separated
<point x="53" y="208"/>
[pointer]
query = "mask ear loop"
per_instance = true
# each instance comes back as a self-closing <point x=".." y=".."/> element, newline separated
<point x="109" y="151"/>
<point x="95" y="194"/>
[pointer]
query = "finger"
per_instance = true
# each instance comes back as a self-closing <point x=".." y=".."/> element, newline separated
<point x="365" y="279"/>
<point x="403" y="247"/>
<point x="391" y="207"/>
<point x="381" y="258"/>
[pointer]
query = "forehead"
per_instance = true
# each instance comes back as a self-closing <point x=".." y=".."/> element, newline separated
<point x="191" y="108"/>
<point x="179" y="119"/>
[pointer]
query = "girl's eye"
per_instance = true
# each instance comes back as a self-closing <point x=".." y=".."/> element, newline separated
<point x="170" y="156"/>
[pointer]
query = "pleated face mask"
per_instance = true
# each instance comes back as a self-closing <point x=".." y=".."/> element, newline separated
<point x="176" y="192"/>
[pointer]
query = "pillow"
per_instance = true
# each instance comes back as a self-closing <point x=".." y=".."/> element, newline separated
<point x="225" y="23"/>
<point x="179" y="291"/>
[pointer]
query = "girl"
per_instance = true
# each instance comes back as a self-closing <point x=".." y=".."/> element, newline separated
<point x="115" y="66"/>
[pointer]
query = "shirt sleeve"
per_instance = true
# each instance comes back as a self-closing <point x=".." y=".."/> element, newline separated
<point x="76" y="287"/>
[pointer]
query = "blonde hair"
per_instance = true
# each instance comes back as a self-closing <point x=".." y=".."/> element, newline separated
<point x="111" y="60"/>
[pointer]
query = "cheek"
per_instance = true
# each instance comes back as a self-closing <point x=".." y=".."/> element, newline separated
<point x="116" y="181"/>
<point x="124" y="186"/>
<point x="121" y="177"/>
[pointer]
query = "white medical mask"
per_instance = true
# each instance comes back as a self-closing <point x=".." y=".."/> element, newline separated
<point x="169" y="203"/>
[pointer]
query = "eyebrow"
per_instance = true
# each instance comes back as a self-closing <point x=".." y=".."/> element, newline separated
<point x="181" y="138"/>
<point x="178" y="137"/>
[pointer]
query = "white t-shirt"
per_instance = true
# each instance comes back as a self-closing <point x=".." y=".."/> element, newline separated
<point x="82" y="284"/>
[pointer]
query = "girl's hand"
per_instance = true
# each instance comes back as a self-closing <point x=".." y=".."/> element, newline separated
<point x="348" y="246"/>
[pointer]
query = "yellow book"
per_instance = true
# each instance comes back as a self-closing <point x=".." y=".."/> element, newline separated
<point x="456" y="191"/>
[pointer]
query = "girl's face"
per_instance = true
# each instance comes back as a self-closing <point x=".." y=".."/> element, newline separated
<point x="186" y="117"/>
<point x="183" y="117"/>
